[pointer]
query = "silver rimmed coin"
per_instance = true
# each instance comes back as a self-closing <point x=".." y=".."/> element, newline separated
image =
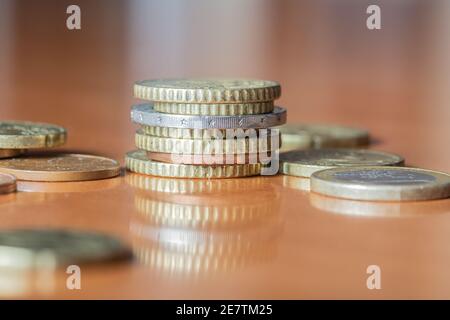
<point x="50" y="248"/>
<point x="306" y="162"/>
<point x="145" y="114"/>
<point x="382" y="183"/>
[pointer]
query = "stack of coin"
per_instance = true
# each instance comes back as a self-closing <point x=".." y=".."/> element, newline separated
<point x="205" y="128"/>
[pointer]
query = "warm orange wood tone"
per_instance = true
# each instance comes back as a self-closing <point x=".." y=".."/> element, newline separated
<point x="277" y="241"/>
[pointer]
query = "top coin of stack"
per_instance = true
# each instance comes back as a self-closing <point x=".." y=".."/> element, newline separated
<point x="201" y="128"/>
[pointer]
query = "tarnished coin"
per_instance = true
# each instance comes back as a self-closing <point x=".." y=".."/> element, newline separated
<point x="29" y="135"/>
<point x="381" y="183"/>
<point x="215" y="109"/>
<point x="206" y="159"/>
<point x="306" y="136"/>
<point x="305" y="162"/>
<point x="60" y="167"/>
<point x="10" y="153"/>
<point x="7" y="183"/>
<point x="207" y="90"/>
<point x="50" y="248"/>
<point x="146" y="115"/>
<point x="205" y="146"/>
<point x="137" y="161"/>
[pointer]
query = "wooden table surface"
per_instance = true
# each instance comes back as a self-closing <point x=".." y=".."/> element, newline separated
<point x="264" y="237"/>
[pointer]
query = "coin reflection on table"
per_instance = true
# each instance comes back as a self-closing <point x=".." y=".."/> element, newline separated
<point x="379" y="209"/>
<point x="298" y="183"/>
<point x="192" y="186"/>
<point x="200" y="235"/>
<point x="68" y="187"/>
<point x="22" y="282"/>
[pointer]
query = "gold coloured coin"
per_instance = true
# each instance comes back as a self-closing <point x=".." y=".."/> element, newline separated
<point x="137" y="161"/>
<point x="60" y="167"/>
<point x="181" y="133"/>
<point x="49" y="248"/>
<point x="10" y="153"/>
<point x="209" y="146"/>
<point x="216" y="109"/>
<point x="7" y="183"/>
<point x="30" y="135"/>
<point x="382" y="183"/>
<point x="205" y="159"/>
<point x="305" y="162"/>
<point x="207" y="90"/>
<point x="184" y="133"/>
<point x="306" y="136"/>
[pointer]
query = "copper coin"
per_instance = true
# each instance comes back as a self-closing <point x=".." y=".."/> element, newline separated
<point x="60" y="167"/>
<point x="9" y="153"/>
<point x="7" y="183"/>
<point x="207" y="159"/>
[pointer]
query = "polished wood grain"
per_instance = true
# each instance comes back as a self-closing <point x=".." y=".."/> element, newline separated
<point x="264" y="237"/>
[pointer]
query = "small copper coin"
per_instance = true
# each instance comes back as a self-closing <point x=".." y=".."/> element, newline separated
<point x="60" y="167"/>
<point x="10" y="153"/>
<point x="207" y="159"/>
<point x="7" y="183"/>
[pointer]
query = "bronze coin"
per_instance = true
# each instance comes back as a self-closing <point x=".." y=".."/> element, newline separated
<point x="60" y="167"/>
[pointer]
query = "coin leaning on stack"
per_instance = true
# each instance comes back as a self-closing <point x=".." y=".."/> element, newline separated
<point x="196" y="128"/>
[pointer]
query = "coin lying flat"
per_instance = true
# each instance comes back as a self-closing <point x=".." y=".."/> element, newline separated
<point x="40" y="248"/>
<point x="207" y="90"/>
<point x="7" y="183"/>
<point x="146" y="115"/>
<point x="60" y="167"/>
<point x="205" y="159"/>
<point x="305" y="162"/>
<point x="206" y="146"/>
<point x="10" y="153"/>
<point x="305" y="136"/>
<point x="381" y="183"/>
<point x="137" y="161"/>
<point x="215" y="109"/>
<point x="28" y="135"/>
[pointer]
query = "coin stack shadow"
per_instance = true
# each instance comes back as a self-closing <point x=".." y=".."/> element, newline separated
<point x="205" y="128"/>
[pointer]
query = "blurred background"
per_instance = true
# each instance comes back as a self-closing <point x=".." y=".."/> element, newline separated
<point x="392" y="81"/>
